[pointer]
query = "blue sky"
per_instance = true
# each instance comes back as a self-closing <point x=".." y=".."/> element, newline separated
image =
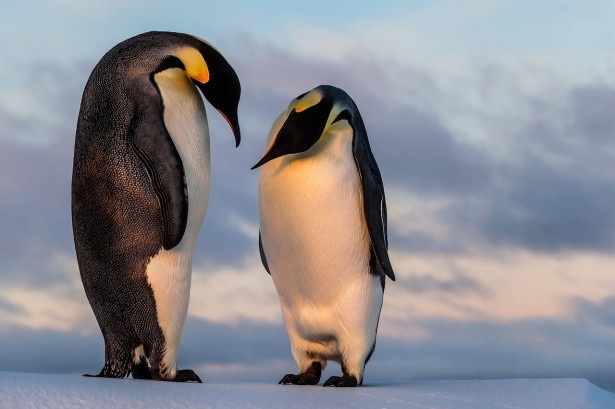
<point x="492" y="123"/>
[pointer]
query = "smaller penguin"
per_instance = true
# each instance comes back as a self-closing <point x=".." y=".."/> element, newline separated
<point x="323" y="234"/>
<point x="140" y="188"/>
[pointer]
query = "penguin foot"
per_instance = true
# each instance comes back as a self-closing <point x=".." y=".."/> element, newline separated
<point x="117" y="365"/>
<point x="181" y="375"/>
<point x="301" y="379"/>
<point x="341" y="381"/>
<point x="104" y="375"/>
<point x="186" y="375"/>
<point x="108" y="373"/>
<point x="309" y="377"/>
<point x="141" y="370"/>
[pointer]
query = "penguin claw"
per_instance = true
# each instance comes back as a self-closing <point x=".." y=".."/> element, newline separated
<point x="341" y="381"/>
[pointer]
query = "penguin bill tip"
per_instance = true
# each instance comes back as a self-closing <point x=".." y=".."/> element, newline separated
<point x="233" y="122"/>
<point x="266" y="158"/>
<point x="237" y="137"/>
<point x="258" y="164"/>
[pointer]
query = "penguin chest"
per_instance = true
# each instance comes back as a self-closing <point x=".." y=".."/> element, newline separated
<point x="169" y="271"/>
<point x="312" y="224"/>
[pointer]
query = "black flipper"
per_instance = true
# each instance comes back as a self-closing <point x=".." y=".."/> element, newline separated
<point x="374" y="203"/>
<point x="155" y="148"/>
<point x="262" y="251"/>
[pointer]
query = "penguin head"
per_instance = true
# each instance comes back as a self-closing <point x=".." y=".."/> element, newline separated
<point x="308" y="118"/>
<point x="208" y="71"/>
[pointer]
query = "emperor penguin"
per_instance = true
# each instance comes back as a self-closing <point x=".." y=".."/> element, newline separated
<point x="323" y="234"/>
<point x="140" y="188"/>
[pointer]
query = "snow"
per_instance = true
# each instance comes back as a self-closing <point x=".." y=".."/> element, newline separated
<point x="23" y="390"/>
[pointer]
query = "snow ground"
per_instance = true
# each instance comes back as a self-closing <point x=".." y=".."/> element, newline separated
<point x="32" y="391"/>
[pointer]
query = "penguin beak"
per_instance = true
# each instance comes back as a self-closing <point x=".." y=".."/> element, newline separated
<point x="225" y="98"/>
<point x="233" y="121"/>
<point x="221" y="88"/>
<point x="275" y="151"/>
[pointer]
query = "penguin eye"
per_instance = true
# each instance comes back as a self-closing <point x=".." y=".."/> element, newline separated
<point x="170" y="61"/>
<point x="341" y="116"/>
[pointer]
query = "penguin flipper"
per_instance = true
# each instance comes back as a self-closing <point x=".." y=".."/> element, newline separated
<point x="154" y="147"/>
<point x="374" y="202"/>
<point x="262" y="251"/>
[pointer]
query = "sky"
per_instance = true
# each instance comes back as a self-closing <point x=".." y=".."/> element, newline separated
<point x="492" y="124"/>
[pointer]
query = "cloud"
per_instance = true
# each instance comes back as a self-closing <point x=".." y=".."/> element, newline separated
<point x="457" y="285"/>
<point x="549" y="193"/>
<point x="230" y="294"/>
<point x="557" y="197"/>
<point x="553" y="195"/>
<point x="51" y="297"/>
<point x="260" y="352"/>
<point x="35" y="209"/>
<point x="243" y="343"/>
<point x="217" y="344"/>
<point x="592" y="113"/>
<point x="447" y="196"/>
<point x="10" y="307"/>
<point x="499" y="286"/>
<point x="484" y="349"/>
<point x="50" y="351"/>
<point x="35" y="169"/>
<point x="418" y="153"/>
<point x="600" y="313"/>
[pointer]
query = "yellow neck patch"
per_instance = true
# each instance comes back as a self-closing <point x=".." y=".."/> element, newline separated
<point x="308" y="101"/>
<point x="195" y="64"/>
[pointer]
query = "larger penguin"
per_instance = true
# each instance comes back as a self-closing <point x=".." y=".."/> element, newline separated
<point x="323" y="226"/>
<point x="140" y="189"/>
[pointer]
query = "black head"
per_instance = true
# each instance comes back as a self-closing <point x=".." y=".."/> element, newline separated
<point x="222" y="89"/>
<point x="310" y="116"/>
<point x="208" y="70"/>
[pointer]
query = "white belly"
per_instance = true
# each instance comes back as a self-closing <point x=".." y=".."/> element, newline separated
<point x="169" y="272"/>
<point x="317" y="244"/>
